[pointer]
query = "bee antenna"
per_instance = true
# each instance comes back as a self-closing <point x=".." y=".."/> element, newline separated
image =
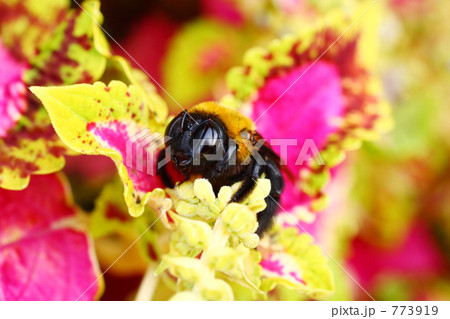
<point x="207" y="122"/>
<point x="182" y="121"/>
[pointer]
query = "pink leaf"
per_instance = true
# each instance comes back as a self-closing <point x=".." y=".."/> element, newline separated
<point x="141" y="167"/>
<point x="314" y="95"/>
<point x="43" y="257"/>
<point x="12" y="91"/>
<point x="223" y="10"/>
<point x="416" y="256"/>
<point x="305" y="111"/>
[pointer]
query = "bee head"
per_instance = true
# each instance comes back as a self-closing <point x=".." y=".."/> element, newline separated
<point x="190" y="138"/>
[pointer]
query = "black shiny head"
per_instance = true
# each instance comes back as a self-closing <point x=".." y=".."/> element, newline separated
<point x="191" y="137"/>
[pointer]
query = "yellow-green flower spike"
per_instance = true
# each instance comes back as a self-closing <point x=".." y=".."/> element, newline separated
<point x="212" y="241"/>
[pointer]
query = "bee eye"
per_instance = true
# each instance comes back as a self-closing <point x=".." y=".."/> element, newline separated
<point x="210" y="136"/>
<point x="206" y="140"/>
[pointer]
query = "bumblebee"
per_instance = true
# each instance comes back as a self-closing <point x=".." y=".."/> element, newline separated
<point x="222" y="145"/>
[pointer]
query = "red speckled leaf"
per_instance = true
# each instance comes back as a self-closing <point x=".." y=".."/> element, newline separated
<point x="26" y="24"/>
<point x="75" y="52"/>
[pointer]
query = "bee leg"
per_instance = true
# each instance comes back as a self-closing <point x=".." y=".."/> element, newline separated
<point x="228" y="160"/>
<point x="248" y="183"/>
<point x="162" y="170"/>
<point x="265" y="218"/>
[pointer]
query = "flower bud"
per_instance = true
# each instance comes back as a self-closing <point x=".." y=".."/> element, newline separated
<point x="185" y="191"/>
<point x="185" y="268"/>
<point x="224" y="196"/>
<point x="261" y="190"/>
<point x="250" y="240"/>
<point x="185" y="208"/>
<point x="216" y="289"/>
<point x="204" y="191"/>
<point x="196" y="234"/>
<point x="228" y="260"/>
<point x="239" y="219"/>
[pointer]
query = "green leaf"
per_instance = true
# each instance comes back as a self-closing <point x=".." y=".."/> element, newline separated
<point x="117" y="68"/>
<point x="100" y="120"/>
<point x="296" y="263"/>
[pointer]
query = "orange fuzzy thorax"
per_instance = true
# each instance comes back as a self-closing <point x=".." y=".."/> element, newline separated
<point x="234" y="121"/>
